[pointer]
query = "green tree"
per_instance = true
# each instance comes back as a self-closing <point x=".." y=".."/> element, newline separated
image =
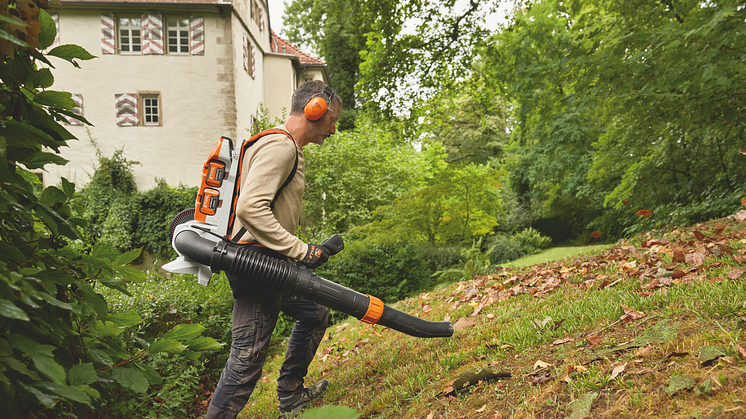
<point x="335" y="30"/>
<point x="461" y="204"/>
<point x="469" y="120"/>
<point x="357" y="171"/>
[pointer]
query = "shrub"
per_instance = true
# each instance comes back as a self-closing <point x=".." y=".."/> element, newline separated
<point x="390" y="271"/>
<point x="532" y="241"/>
<point x="504" y="248"/>
<point x="119" y="215"/>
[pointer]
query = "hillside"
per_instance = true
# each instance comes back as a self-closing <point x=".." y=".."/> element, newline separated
<point x="649" y="328"/>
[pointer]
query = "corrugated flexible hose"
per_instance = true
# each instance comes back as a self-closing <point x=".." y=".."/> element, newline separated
<point x="297" y="280"/>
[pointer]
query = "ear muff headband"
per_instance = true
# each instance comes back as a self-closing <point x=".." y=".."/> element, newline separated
<point x="316" y="107"/>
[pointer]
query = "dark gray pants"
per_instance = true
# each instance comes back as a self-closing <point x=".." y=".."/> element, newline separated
<point x="254" y="318"/>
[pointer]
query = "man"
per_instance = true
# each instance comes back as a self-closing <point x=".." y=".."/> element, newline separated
<point x="268" y="209"/>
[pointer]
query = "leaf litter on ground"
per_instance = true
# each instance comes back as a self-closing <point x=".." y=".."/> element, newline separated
<point x="709" y="254"/>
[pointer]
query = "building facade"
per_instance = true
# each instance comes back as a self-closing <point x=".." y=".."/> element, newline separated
<point x="169" y="79"/>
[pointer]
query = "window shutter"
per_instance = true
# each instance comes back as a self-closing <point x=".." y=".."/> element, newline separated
<point x="261" y="19"/>
<point x="253" y="61"/>
<point x="77" y="110"/>
<point x="107" y="34"/>
<point x="246" y="53"/>
<point x="152" y="34"/>
<point x="126" y="109"/>
<point x="56" y="19"/>
<point x="197" y="34"/>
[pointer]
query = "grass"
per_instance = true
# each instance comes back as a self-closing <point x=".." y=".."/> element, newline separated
<point x="621" y="333"/>
<point x="555" y="253"/>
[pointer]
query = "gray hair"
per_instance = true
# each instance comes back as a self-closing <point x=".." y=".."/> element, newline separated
<point x="306" y="91"/>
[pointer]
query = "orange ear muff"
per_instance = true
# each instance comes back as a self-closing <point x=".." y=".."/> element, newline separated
<point x="315" y="108"/>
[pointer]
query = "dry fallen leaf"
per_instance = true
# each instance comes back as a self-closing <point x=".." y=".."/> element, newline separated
<point x="696" y="258"/>
<point x="560" y="342"/>
<point x="644" y="351"/>
<point x="630" y="314"/>
<point x="742" y="351"/>
<point x="463" y="323"/>
<point x="618" y="370"/>
<point x="541" y="364"/>
<point x="481" y="409"/>
<point x="431" y="415"/>
<point x="593" y="340"/>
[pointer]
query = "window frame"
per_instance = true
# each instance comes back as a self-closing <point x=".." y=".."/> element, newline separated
<point x="130" y="44"/>
<point x="142" y="97"/>
<point x="167" y="49"/>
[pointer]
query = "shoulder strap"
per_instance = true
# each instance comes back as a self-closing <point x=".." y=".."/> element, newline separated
<point x="237" y="188"/>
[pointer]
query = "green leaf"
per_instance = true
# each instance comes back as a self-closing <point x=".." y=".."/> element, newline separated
<point x="150" y="373"/>
<point x="48" y="29"/>
<point x="106" y="251"/>
<point x="131" y="273"/>
<point x="107" y="329"/>
<point x="708" y="354"/>
<point x="128" y="257"/>
<point x="166" y="345"/>
<point x="131" y="379"/>
<point x="41" y="158"/>
<point x="44" y="398"/>
<point x="678" y="383"/>
<point x="45" y="363"/>
<point x="57" y="303"/>
<point x="70" y="393"/>
<point x="54" y="98"/>
<point x="52" y="195"/>
<point x="17" y="365"/>
<point x="43" y="78"/>
<point x="70" y="53"/>
<point x="331" y="412"/>
<point x="82" y="374"/>
<point x="125" y="318"/>
<point x="8" y="309"/>
<point x="68" y="187"/>
<point x="100" y="357"/>
<point x="184" y="331"/>
<point x="581" y="406"/>
<point x="204" y="343"/>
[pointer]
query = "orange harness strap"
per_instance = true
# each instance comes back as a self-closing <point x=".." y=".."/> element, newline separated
<point x="375" y="311"/>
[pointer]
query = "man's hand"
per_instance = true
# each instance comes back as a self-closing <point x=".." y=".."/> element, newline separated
<point x="316" y="255"/>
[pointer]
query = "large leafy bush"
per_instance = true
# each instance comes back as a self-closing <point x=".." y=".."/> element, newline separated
<point x="61" y="351"/>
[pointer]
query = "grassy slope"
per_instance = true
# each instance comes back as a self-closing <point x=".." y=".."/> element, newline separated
<point x="560" y="330"/>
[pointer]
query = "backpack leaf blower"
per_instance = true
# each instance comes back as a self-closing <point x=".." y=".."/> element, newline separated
<point x="204" y="249"/>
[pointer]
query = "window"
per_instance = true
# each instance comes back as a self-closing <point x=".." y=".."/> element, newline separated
<point x="129" y="35"/>
<point x="152" y="34"/>
<point x="178" y="36"/>
<point x="138" y="109"/>
<point x="150" y="109"/>
<point x="307" y="79"/>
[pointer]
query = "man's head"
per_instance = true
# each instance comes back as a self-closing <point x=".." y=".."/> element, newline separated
<point x="317" y="105"/>
<point x="311" y="90"/>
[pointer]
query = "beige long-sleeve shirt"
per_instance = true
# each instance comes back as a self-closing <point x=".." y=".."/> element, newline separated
<point x="266" y="166"/>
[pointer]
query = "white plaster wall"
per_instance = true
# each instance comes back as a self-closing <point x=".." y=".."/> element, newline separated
<point x="198" y="102"/>
<point x="279" y="84"/>
<point x="249" y="91"/>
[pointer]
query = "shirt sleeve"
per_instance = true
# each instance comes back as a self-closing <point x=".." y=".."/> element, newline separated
<point x="270" y="165"/>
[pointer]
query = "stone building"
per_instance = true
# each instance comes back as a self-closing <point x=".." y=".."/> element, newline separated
<point x="169" y="79"/>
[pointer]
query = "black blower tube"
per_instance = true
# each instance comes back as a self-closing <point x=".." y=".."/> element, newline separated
<point x="299" y="281"/>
